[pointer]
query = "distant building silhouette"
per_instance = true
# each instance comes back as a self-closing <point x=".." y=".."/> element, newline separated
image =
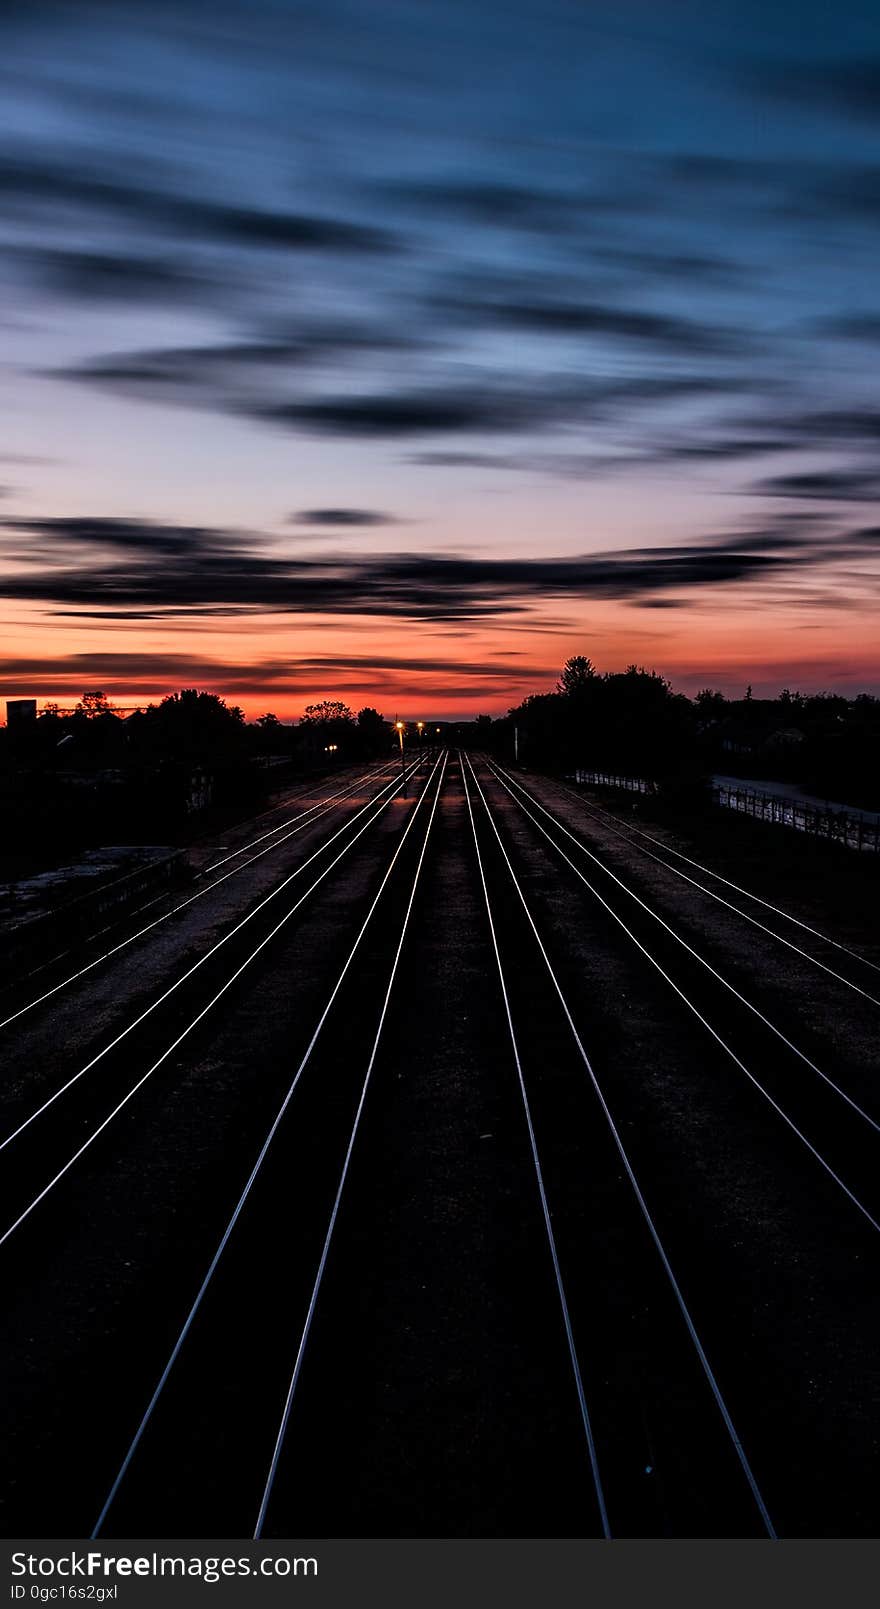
<point x="20" y="712"/>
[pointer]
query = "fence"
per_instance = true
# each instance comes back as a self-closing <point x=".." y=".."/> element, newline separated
<point x="31" y="939"/>
<point x="604" y="779"/>
<point x="845" y="827"/>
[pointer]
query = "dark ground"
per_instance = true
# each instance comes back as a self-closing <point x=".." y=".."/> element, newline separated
<point x="437" y="1396"/>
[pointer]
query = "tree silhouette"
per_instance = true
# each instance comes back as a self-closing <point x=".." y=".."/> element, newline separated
<point x="577" y="675"/>
<point x="325" y="712"/>
<point x="373" y="731"/>
<point x="328" y="721"/>
<point x="94" y="704"/>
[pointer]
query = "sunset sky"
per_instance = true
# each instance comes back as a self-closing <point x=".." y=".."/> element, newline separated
<point x="395" y="350"/>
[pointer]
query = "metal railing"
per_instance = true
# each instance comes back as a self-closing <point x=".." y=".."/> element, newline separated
<point x="849" y="828"/>
<point x="607" y="779"/>
<point x="27" y="937"/>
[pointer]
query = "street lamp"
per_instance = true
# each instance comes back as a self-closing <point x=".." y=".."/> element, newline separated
<point x="421" y="727"/>
<point x="401" y="728"/>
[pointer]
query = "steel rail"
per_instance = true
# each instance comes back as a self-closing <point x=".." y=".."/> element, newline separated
<point x="255" y="1171"/>
<point x="655" y="915"/>
<point x="175" y="911"/>
<point x="331" y="1225"/>
<point x="319" y="806"/>
<point x="314" y="810"/>
<point x="738" y="889"/>
<point x="637" y="1190"/>
<point x="10" y="1230"/>
<point x="542" y="1192"/>
<point x="393" y="786"/>
<point x="779" y="1110"/>
<point x="308" y="790"/>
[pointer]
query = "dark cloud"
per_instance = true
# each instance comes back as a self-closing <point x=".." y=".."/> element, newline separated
<point x="248" y="226"/>
<point x="716" y="449"/>
<point x="417" y="413"/>
<point x="150" y="677"/>
<point x="756" y="193"/>
<point x="112" y="564"/>
<point x="649" y="389"/>
<point x="490" y="669"/>
<point x="684" y="450"/>
<point x="206" y="376"/>
<point x="342" y="517"/>
<point x="850" y="326"/>
<point x="107" y="276"/>
<point x="675" y="267"/>
<point x="70" y="673"/>
<point x="454" y="460"/>
<point x="857" y="425"/>
<point x="709" y="170"/>
<point x="473" y="410"/>
<point x="490" y="202"/>
<point x="842" y="192"/>
<point x="854" y="428"/>
<point x="213" y="372"/>
<point x="850" y="86"/>
<point x="226" y="377"/>
<point x="31" y="185"/>
<point x="124" y="535"/>
<point x="564" y="317"/>
<point x="553" y="273"/>
<point x="837" y="485"/>
<point x="173" y="363"/>
<point x="569" y="214"/>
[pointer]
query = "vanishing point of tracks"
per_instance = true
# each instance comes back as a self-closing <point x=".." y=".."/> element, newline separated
<point x="427" y="1170"/>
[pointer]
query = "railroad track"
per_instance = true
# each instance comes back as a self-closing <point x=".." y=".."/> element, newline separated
<point x="37" y="1146"/>
<point x="783" y="1116"/>
<point x="290" y="828"/>
<point x="835" y="1130"/>
<point x="245" y="1254"/>
<point x="675" y="861"/>
<point x="447" y="1267"/>
<point x="697" y="1459"/>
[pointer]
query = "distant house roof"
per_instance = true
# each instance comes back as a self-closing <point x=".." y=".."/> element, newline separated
<point x="784" y="735"/>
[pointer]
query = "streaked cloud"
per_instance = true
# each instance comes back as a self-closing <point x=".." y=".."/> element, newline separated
<point x="112" y="564"/>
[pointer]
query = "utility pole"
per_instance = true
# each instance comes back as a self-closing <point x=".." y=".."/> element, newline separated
<point x="401" y="728"/>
